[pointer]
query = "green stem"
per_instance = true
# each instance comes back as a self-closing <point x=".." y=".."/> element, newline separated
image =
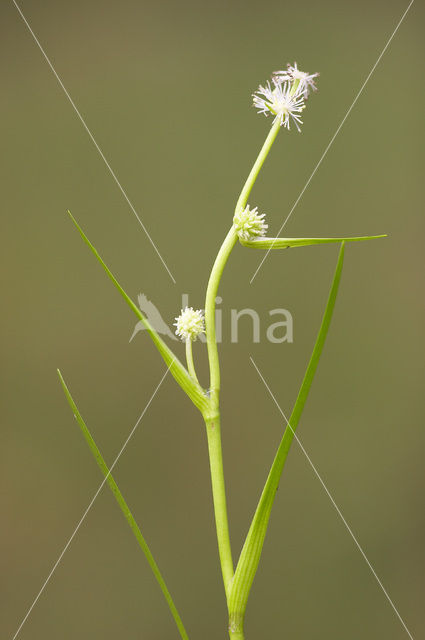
<point x="214" y="281"/>
<point x="124" y="508"/>
<point x="243" y="198"/>
<point x="219" y="500"/>
<point x="189" y="360"/>
<point x="294" y="87"/>
<point x="236" y="631"/>
<point x="219" y="264"/>
<point x="212" y="415"/>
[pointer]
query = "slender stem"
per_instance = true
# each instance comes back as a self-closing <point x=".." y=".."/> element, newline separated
<point x="243" y="198"/>
<point x="294" y="87"/>
<point x="216" y="272"/>
<point x="219" y="264"/>
<point x="212" y="415"/>
<point x="219" y="499"/>
<point x="189" y="360"/>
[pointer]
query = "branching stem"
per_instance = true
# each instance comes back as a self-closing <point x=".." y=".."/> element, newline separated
<point x="212" y="417"/>
<point x="189" y="360"/>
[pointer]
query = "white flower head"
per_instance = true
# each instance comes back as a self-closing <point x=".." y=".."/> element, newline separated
<point x="249" y="223"/>
<point x="280" y="101"/>
<point x="190" y="323"/>
<point x="305" y="81"/>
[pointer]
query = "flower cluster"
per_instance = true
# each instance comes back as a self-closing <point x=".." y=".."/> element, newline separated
<point x="284" y="97"/>
<point x="249" y="223"/>
<point x="303" y="80"/>
<point x="190" y="323"/>
<point x="280" y="100"/>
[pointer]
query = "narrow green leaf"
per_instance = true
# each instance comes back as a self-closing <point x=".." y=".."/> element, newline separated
<point x="124" y="507"/>
<point x="251" y="552"/>
<point x="177" y="370"/>
<point x="285" y="243"/>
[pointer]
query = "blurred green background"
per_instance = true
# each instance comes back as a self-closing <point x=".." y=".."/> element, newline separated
<point x="165" y="88"/>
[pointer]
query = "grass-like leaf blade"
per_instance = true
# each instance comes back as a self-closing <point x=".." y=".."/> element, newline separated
<point x="251" y="551"/>
<point x="286" y="243"/>
<point x="124" y="508"/>
<point x="177" y="369"/>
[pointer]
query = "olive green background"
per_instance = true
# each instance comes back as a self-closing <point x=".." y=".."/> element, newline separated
<point x="165" y="88"/>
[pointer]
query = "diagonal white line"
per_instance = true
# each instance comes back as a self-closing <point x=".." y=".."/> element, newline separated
<point x="94" y="141"/>
<point x="347" y="526"/>
<point x="322" y="157"/>
<point x="89" y="506"/>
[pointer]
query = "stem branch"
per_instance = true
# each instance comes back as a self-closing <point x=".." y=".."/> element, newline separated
<point x="189" y="360"/>
<point x="216" y="272"/>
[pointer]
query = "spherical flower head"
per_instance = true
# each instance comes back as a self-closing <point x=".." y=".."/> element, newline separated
<point x="280" y="101"/>
<point x="190" y="323"/>
<point x="249" y="223"/>
<point x="304" y="81"/>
